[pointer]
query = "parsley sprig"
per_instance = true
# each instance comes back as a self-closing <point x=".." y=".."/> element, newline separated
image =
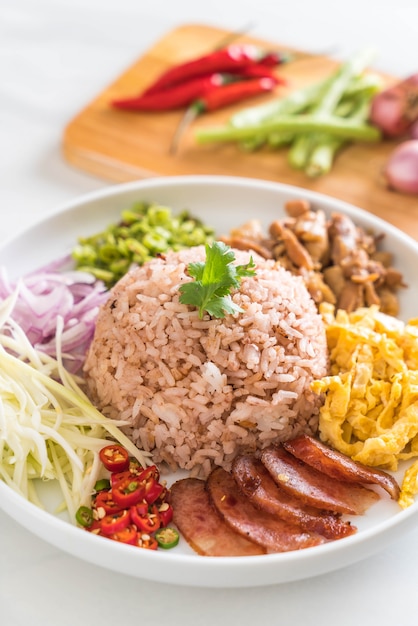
<point x="213" y="281"/>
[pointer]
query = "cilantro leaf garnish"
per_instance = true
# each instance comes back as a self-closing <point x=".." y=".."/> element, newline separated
<point x="213" y="281"/>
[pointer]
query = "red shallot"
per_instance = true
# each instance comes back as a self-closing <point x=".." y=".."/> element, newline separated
<point x="395" y="109"/>
<point x="413" y="133"/>
<point x="401" y="171"/>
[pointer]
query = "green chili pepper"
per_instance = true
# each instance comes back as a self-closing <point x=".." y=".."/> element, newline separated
<point x="102" y="484"/>
<point x="84" y="516"/>
<point x="167" y="538"/>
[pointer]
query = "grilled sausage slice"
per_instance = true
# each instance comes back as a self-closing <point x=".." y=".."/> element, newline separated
<point x="201" y="525"/>
<point x="339" y="466"/>
<point x="272" y="533"/>
<point x="256" y="483"/>
<point x="315" y="488"/>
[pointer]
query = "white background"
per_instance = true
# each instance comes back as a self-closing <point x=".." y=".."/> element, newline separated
<point x="55" y="56"/>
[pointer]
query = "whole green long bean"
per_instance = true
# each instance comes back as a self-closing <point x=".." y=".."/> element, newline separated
<point x="293" y="103"/>
<point x="331" y="124"/>
<point x="331" y="96"/>
<point x="322" y="156"/>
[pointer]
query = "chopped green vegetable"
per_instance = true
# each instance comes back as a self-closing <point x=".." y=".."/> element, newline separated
<point x="144" y="231"/>
<point x="214" y="280"/>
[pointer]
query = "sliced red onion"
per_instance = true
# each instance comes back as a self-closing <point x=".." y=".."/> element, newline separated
<point x="51" y="292"/>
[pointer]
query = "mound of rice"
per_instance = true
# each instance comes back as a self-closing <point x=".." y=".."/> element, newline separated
<point x="198" y="391"/>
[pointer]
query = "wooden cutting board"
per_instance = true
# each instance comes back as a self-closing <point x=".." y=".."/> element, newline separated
<point x="121" y="146"/>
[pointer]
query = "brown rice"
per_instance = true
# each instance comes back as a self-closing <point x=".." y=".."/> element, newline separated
<point x="198" y="391"/>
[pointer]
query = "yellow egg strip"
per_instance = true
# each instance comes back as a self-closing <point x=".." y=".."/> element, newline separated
<point x="370" y="409"/>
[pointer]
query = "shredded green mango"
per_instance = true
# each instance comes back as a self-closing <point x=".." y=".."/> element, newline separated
<point x="49" y="429"/>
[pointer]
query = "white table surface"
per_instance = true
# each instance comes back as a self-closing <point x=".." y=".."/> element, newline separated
<point x="55" y="55"/>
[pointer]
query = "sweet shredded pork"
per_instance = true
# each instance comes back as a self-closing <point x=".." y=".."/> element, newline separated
<point x="339" y="262"/>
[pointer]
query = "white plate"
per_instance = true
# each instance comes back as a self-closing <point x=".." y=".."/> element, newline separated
<point x="223" y="202"/>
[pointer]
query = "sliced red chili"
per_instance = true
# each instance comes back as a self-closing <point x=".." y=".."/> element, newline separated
<point x="105" y="501"/>
<point x="126" y="535"/>
<point x="121" y="477"/>
<point x="166" y="514"/>
<point x="114" y="457"/>
<point x="128" y="492"/>
<point x="147" y="541"/>
<point x="95" y="528"/>
<point x="145" y="518"/>
<point x="153" y="490"/>
<point x="149" y="472"/>
<point x="115" y="522"/>
<point x="134" y="471"/>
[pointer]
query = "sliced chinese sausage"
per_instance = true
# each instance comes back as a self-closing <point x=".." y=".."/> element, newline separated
<point x="256" y="483"/>
<point x="314" y="487"/>
<point x="338" y="465"/>
<point x="272" y="533"/>
<point x="201" y="525"/>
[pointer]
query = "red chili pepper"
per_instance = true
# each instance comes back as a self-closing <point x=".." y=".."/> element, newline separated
<point x="257" y="71"/>
<point x="114" y="457"/>
<point x="149" y="472"/>
<point x="105" y="501"/>
<point x="95" y="528"/>
<point x="227" y="59"/>
<point x="128" y="492"/>
<point x="135" y="505"/>
<point x="115" y="522"/>
<point x="121" y="477"/>
<point x="166" y="514"/>
<point x="171" y="98"/>
<point x="128" y="535"/>
<point x="153" y="490"/>
<point x="145" y="518"/>
<point x="220" y="97"/>
<point x="234" y="92"/>
<point x="146" y="541"/>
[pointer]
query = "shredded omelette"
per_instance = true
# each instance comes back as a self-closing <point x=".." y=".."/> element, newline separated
<point x="370" y="410"/>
